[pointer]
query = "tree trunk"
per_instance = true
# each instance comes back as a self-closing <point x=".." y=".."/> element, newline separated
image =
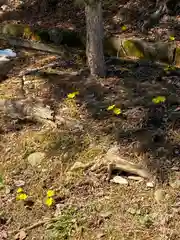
<point x="94" y="39"/>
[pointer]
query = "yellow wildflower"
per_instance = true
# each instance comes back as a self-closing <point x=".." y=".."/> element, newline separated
<point x="19" y="190"/>
<point x="21" y="196"/>
<point x="49" y="201"/>
<point x="124" y="28"/>
<point x="50" y="193"/>
<point x="159" y="99"/>
<point x="117" y="111"/>
<point x="72" y="95"/>
<point x="111" y="107"/>
<point x="172" y="38"/>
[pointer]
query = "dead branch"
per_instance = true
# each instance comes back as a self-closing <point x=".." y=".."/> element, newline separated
<point x="113" y="161"/>
<point x="60" y="50"/>
<point x="35" y="225"/>
<point x="118" y="163"/>
<point x="26" y="109"/>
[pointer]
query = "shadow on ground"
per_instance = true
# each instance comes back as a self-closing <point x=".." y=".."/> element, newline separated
<point x="152" y="130"/>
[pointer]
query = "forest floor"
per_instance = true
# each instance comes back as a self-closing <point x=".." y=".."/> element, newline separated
<point x="86" y="206"/>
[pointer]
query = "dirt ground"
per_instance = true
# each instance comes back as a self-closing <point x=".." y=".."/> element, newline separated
<point x="86" y="206"/>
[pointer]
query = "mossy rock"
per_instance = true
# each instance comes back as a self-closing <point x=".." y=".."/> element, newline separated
<point x="139" y="48"/>
<point x="130" y="48"/>
<point x="16" y="30"/>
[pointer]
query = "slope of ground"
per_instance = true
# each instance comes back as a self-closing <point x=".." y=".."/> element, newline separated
<point x="86" y="205"/>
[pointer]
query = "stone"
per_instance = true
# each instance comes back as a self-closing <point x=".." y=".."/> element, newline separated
<point x="159" y="195"/>
<point x="150" y="184"/>
<point x="131" y="211"/>
<point x="19" y="183"/>
<point x="36" y="158"/>
<point x="119" y="180"/>
<point x="106" y="214"/>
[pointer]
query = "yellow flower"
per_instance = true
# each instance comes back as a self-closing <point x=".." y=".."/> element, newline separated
<point x="49" y="201"/>
<point x="124" y="28"/>
<point x="159" y="99"/>
<point x="21" y="196"/>
<point x="50" y="193"/>
<point x="111" y="107"/>
<point x="117" y="111"/>
<point x="169" y="68"/>
<point x="172" y="38"/>
<point x="72" y="95"/>
<point x="19" y="190"/>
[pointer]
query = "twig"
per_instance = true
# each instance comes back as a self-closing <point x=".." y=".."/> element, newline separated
<point x="35" y="225"/>
<point x="33" y="70"/>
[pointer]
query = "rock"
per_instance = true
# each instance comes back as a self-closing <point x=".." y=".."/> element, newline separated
<point x="20" y="235"/>
<point x="5" y="7"/>
<point x="136" y="178"/>
<point x="131" y="211"/>
<point x="106" y="214"/>
<point x="119" y="180"/>
<point x="175" y="184"/>
<point x="36" y="158"/>
<point x="19" y="183"/>
<point x="8" y="189"/>
<point x="100" y="235"/>
<point x="150" y="184"/>
<point x="159" y="195"/>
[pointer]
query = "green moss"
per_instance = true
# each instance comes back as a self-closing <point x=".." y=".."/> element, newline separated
<point x="17" y="30"/>
<point x="131" y="49"/>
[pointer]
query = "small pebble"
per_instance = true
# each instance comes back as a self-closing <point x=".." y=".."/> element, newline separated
<point x="150" y="184"/>
<point x="119" y="180"/>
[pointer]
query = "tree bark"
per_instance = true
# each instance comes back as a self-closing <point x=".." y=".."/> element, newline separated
<point x="94" y="39"/>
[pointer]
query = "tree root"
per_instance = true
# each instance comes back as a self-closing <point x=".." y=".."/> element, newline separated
<point x="113" y="161"/>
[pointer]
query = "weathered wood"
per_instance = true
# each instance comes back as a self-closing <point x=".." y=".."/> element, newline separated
<point x="25" y="109"/>
<point x="60" y="50"/>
